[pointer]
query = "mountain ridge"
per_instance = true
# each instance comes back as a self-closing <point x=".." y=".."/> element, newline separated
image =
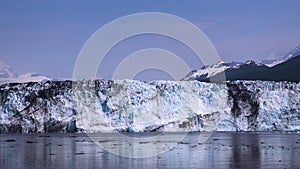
<point x="285" y="68"/>
<point x="7" y="76"/>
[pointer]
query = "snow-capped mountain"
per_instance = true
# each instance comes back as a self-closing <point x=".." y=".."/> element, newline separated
<point x="289" y="55"/>
<point x="30" y="77"/>
<point x="135" y="106"/>
<point x="211" y="70"/>
<point x="6" y="76"/>
<point x="207" y="72"/>
<point x="283" y="68"/>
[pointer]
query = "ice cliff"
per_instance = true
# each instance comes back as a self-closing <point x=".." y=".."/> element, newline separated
<point x="135" y="106"/>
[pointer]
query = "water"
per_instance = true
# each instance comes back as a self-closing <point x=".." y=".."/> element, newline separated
<point x="222" y="150"/>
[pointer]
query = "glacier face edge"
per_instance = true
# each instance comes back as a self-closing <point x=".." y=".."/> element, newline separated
<point x="135" y="106"/>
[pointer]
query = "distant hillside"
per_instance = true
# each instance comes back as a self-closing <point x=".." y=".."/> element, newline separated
<point x="283" y="68"/>
<point x="6" y="76"/>
<point x="286" y="71"/>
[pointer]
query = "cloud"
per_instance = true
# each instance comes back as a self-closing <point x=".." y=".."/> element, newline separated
<point x="6" y="76"/>
<point x="5" y="71"/>
<point x="271" y="56"/>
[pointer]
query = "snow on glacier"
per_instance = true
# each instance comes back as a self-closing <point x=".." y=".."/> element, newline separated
<point x="136" y="106"/>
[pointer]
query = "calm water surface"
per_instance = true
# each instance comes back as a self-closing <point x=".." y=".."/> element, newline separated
<point x="221" y="150"/>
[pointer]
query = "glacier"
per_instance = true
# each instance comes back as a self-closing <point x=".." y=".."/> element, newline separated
<point x="135" y="106"/>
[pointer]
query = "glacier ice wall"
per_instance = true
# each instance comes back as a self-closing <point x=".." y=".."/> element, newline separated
<point x="135" y="106"/>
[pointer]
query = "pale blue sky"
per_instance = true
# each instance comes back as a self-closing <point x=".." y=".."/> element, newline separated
<point x="46" y="36"/>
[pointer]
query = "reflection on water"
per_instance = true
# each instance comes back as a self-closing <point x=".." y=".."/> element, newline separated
<point x="222" y="150"/>
<point x="247" y="148"/>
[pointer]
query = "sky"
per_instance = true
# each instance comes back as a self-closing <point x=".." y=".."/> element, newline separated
<point x="46" y="36"/>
